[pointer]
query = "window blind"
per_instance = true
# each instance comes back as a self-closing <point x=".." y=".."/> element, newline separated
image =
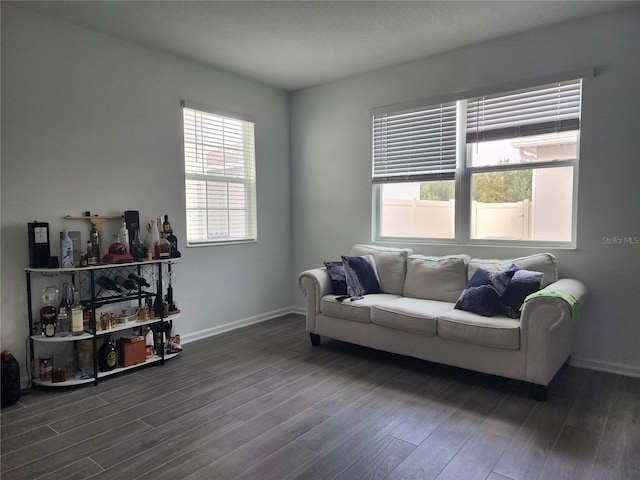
<point x="219" y="160"/>
<point x="415" y="145"/>
<point x="550" y="108"/>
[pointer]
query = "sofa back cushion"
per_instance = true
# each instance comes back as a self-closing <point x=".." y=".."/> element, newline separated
<point x="391" y="265"/>
<point x="436" y="278"/>
<point x="540" y="262"/>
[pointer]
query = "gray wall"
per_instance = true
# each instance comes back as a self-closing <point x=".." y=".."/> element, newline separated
<point x="93" y="123"/>
<point x="331" y="163"/>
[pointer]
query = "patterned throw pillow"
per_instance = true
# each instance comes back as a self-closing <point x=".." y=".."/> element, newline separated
<point x="483" y="291"/>
<point x="338" y="279"/>
<point x="361" y="274"/>
<point x="523" y="283"/>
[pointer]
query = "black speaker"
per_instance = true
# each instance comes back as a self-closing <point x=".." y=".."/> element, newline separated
<point x="132" y="219"/>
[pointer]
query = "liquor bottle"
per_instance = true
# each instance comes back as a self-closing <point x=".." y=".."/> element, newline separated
<point x="141" y="281"/>
<point x="108" y="355"/>
<point x="123" y="237"/>
<point x="155" y="238"/>
<point x="166" y="226"/>
<point x="106" y="282"/>
<point x="162" y="246"/>
<point x="67" y="298"/>
<point x="62" y="320"/>
<point x="95" y="241"/>
<point x="91" y="256"/>
<point x="48" y="312"/>
<point x="125" y="282"/>
<point x="137" y="247"/>
<point x="77" y="315"/>
<point x="66" y="251"/>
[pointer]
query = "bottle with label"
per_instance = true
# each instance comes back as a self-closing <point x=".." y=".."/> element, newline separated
<point x="123" y="237"/>
<point x="66" y="251"/>
<point x="91" y="256"/>
<point x="137" y="247"/>
<point x="95" y="242"/>
<point x="166" y="226"/>
<point x="108" y="355"/>
<point x="77" y="315"/>
<point x="62" y="320"/>
<point x="48" y="312"/>
<point x="162" y="246"/>
<point x="155" y="237"/>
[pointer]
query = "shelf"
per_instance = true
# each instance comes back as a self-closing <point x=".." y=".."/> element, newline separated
<point x="59" y="339"/>
<point x="68" y="383"/>
<point x="82" y="381"/>
<point x="100" y="266"/>
<point x="135" y="324"/>
<point x="116" y="370"/>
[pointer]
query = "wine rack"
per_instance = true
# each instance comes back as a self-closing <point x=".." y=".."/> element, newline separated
<point x="97" y="289"/>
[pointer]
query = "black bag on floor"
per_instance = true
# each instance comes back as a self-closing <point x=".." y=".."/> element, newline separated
<point x="10" y="379"/>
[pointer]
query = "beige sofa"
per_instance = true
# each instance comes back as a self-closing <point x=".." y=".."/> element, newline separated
<point x="414" y="315"/>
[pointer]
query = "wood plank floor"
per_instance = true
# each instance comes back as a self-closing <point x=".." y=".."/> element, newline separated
<point x="262" y="403"/>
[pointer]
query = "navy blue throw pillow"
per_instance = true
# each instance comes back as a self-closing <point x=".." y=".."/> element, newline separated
<point x="338" y="279"/>
<point x="523" y="284"/>
<point x="362" y="276"/>
<point x="483" y="291"/>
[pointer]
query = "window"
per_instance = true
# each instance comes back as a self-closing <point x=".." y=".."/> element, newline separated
<point x="496" y="169"/>
<point x="220" y="179"/>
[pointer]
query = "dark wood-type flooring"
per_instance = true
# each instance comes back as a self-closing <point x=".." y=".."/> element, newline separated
<point x="262" y="403"/>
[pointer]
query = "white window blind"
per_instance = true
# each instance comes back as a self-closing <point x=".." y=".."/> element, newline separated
<point x="220" y="178"/>
<point x="415" y="145"/>
<point x="550" y="108"/>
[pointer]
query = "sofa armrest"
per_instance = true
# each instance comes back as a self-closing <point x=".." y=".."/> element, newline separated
<point x="315" y="284"/>
<point x="546" y="329"/>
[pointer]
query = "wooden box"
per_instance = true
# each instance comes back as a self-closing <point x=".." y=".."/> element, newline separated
<point x="131" y="350"/>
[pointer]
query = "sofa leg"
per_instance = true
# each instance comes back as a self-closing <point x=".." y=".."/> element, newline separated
<point x="315" y="339"/>
<point x="539" y="393"/>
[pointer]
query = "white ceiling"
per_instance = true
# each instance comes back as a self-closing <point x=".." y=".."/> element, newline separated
<point x="296" y="44"/>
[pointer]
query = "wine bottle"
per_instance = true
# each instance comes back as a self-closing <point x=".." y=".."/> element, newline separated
<point x="108" y="355"/>
<point x="106" y="282"/>
<point x="137" y="247"/>
<point x="125" y="282"/>
<point x="77" y="315"/>
<point x="66" y="251"/>
<point x="95" y="241"/>
<point x="141" y="281"/>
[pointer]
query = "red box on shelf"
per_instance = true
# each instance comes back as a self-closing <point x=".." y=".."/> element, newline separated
<point x="131" y="350"/>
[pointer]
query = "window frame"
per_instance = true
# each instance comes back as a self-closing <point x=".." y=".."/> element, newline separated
<point x="464" y="172"/>
<point x="248" y="179"/>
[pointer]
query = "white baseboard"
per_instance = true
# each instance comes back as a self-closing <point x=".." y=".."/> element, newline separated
<point x="603" y="366"/>
<point x="218" y="329"/>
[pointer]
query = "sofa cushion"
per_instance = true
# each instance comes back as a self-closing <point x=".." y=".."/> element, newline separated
<point x="356" y="310"/>
<point x="498" y="331"/>
<point x="482" y="293"/>
<point x="523" y="283"/>
<point x="361" y="275"/>
<point x="539" y="262"/>
<point x="411" y="315"/>
<point x="391" y="265"/>
<point x="436" y="278"/>
<point x="338" y="279"/>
